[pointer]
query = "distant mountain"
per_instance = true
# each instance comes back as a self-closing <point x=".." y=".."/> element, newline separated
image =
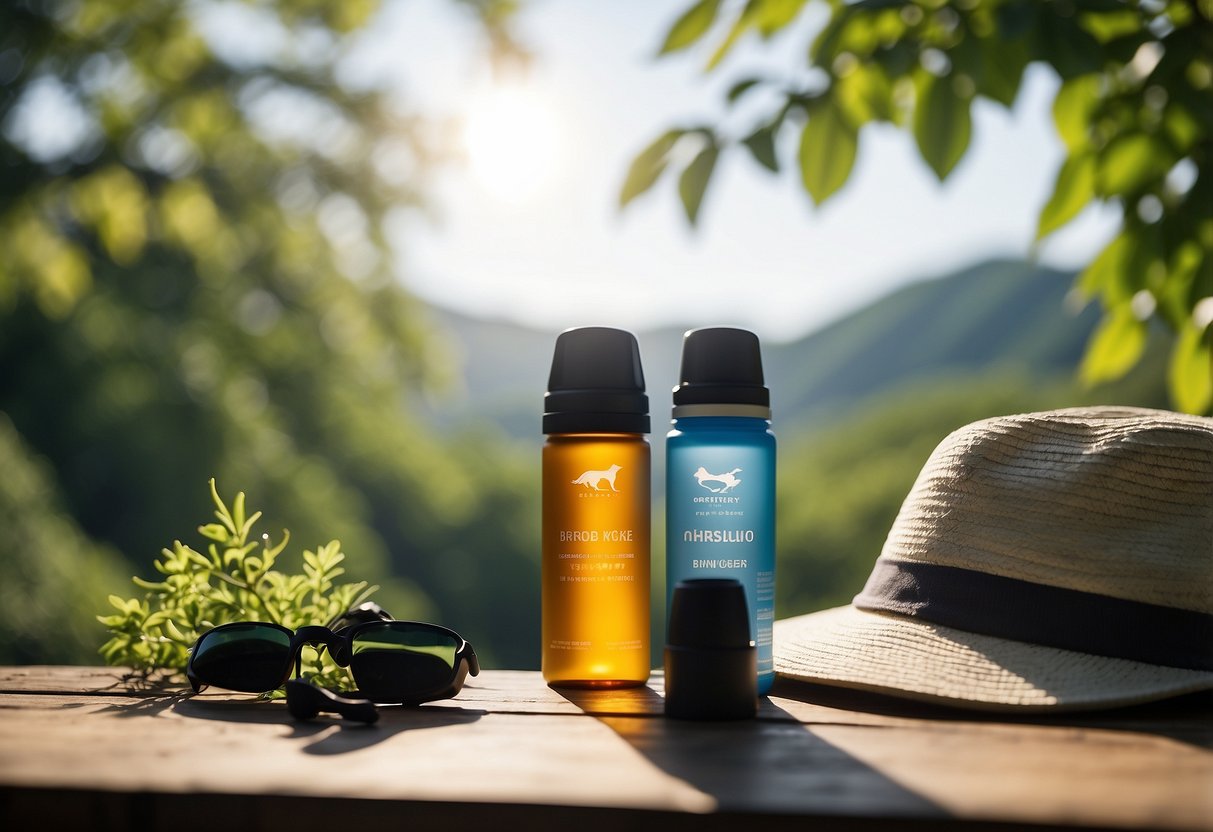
<point x="992" y="317"/>
<point x="504" y="372"/>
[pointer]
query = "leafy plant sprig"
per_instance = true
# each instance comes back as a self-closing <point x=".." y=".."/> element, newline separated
<point x="234" y="581"/>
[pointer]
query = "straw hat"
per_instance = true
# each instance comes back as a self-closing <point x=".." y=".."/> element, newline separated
<point x="1046" y="561"/>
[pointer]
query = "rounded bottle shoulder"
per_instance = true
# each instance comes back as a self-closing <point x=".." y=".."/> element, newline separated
<point x="574" y="438"/>
<point x="732" y="428"/>
<point x="753" y="423"/>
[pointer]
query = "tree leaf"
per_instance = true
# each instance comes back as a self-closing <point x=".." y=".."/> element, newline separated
<point x="156" y="618"/>
<point x="115" y="203"/>
<point x="762" y="146"/>
<point x="1073" y="108"/>
<point x="249" y="523"/>
<point x="865" y="94"/>
<point x="214" y="531"/>
<point x="824" y="48"/>
<point x="154" y="586"/>
<point x="1015" y="18"/>
<point x="1070" y="49"/>
<point x="898" y="59"/>
<point x="1113" y="23"/>
<point x="942" y="124"/>
<point x="1073" y="191"/>
<point x="238" y="514"/>
<point x="773" y="15"/>
<point x="1115" y="346"/>
<point x="175" y="633"/>
<point x="1182" y="129"/>
<point x="647" y="166"/>
<point x="221" y="511"/>
<point x="1099" y="5"/>
<point x="1202" y="282"/>
<point x="1002" y="64"/>
<point x="1175" y="295"/>
<point x="692" y="26"/>
<point x="694" y="181"/>
<point x="828" y="147"/>
<point x="1190" y="371"/>
<point x="741" y="88"/>
<point x="272" y="550"/>
<point x="1130" y="163"/>
<point x="1118" y="272"/>
<point x="744" y="21"/>
<point x="1181" y="48"/>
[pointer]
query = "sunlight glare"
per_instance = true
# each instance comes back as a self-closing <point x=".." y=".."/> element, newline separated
<point x="512" y="143"/>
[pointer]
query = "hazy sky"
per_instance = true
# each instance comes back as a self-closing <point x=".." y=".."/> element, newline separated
<point x="555" y="251"/>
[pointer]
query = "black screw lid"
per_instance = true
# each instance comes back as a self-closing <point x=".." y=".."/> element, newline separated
<point x="721" y="366"/>
<point x="711" y="665"/>
<point x="596" y="384"/>
<point x="708" y="614"/>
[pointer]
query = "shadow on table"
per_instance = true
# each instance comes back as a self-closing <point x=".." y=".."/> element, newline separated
<point x="1187" y="719"/>
<point x="348" y="736"/>
<point x="771" y="765"/>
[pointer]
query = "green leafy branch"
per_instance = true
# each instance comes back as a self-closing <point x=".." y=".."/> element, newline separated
<point x="235" y="580"/>
<point x="1133" y="112"/>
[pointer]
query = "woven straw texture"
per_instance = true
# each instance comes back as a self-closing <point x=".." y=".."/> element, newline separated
<point x="1113" y="501"/>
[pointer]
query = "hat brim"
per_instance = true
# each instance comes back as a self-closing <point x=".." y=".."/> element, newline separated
<point x="914" y="659"/>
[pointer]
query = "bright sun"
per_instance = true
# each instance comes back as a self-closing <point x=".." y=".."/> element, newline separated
<point x="512" y="142"/>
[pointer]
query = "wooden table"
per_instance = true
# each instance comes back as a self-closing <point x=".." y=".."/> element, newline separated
<point x="83" y="748"/>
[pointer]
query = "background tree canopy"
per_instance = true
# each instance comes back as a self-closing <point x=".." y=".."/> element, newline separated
<point x="1134" y="110"/>
<point x="195" y="282"/>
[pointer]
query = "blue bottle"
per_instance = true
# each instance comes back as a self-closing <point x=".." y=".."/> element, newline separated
<point x="720" y="477"/>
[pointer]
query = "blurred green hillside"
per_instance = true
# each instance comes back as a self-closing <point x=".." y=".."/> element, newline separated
<point x="995" y="317"/>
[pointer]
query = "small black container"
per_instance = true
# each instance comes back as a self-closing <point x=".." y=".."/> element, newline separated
<point x="711" y="666"/>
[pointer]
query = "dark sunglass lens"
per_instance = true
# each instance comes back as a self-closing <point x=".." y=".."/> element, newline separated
<point x="403" y="662"/>
<point x="246" y="657"/>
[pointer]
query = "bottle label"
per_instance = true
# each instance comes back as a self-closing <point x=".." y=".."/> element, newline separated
<point x="713" y="518"/>
<point x="595" y="560"/>
<point x="596" y="563"/>
<point x="721" y="523"/>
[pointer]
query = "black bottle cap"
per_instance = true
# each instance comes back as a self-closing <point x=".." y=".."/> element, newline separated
<point x="722" y="366"/>
<point x="711" y="665"/>
<point x="596" y="384"/>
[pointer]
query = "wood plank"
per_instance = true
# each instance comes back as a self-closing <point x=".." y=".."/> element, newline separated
<point x="253" y="748"/>
<point x="72" y="679"/>
<point x="79" y="810"/>
<point x="442" y="755"/>
<point x="1188" y="718"/>
<point x="511" y="741"/>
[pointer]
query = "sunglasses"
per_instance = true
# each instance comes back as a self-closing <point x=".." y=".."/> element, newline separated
<point x="392" y="662"/>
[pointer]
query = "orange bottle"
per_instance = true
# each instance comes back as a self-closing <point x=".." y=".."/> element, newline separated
<point x="596" y="513"/>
